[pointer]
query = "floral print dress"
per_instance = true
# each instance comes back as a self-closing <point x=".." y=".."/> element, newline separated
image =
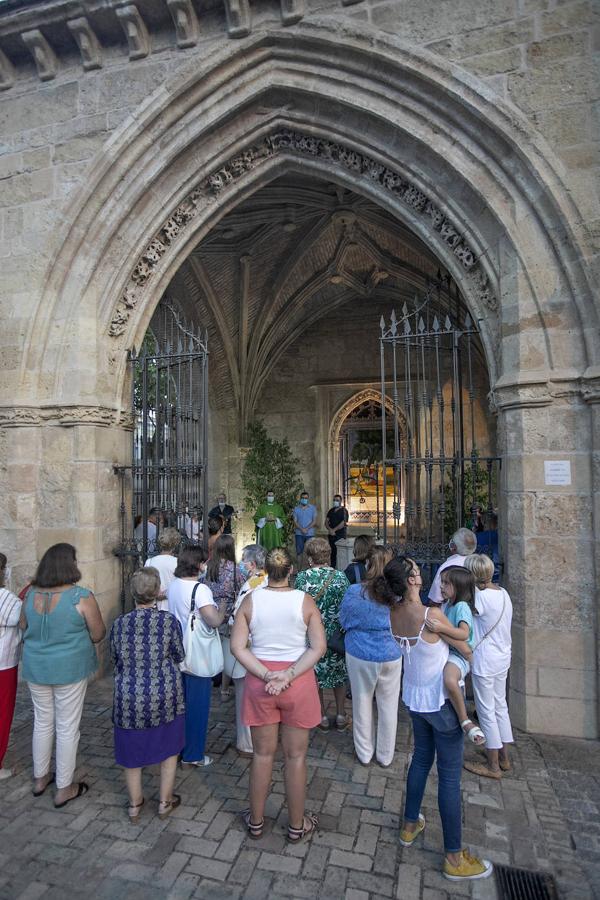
<point x="331" y="669"/>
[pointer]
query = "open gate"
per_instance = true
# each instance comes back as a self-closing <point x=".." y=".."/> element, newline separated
<point x="432" y="369"/>
<point x="166" y="482"/>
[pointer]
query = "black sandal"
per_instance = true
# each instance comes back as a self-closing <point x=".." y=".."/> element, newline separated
<point x="43" y="790"/>
<point x="297" y="835"/>
<point x="82" y="789"/>
<point x="255" y="831"/>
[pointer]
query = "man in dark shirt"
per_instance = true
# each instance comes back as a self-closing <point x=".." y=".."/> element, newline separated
<point x="223" y="510"/>
<point x="336" y="521"/>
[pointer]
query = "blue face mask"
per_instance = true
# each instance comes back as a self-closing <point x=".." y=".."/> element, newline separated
<point x="244" y="569"/>
<point x="304" y="501"/>
<point x="337" y="503"/>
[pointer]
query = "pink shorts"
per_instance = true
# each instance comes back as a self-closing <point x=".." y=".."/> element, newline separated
<point x="298" y="706"/>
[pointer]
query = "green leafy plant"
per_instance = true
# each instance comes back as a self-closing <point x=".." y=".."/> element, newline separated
<point x="476" y="493"/>
<point x="271" y="464"/>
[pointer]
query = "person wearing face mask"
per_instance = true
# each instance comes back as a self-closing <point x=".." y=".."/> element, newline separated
<point x="269" y="518"/>
<point x="336" y="522"/>
<point x="225" y="511"/>
<point x="305" y="519"/>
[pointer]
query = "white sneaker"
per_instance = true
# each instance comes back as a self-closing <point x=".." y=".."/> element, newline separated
<point x="5" y="773"/>
<point x="201" y="763"/>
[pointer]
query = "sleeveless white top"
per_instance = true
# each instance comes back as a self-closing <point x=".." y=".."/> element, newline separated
<point x="423" y="678"/>
<point x="277" y="626"/>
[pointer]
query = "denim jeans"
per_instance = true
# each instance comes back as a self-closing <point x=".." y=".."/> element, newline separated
<point x="438" y="734"/>
<point x="301" y="540"/>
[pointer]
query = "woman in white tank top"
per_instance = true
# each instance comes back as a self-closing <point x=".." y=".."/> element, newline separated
<point x="436" y="729"/>
<point x="287" y="639"/>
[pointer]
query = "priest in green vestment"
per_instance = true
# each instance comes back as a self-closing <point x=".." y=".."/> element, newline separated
<point x="269" y="518"/>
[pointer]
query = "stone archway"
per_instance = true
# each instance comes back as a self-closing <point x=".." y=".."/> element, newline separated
<point x="338" y="423"/>
<point x="462" y="170"/>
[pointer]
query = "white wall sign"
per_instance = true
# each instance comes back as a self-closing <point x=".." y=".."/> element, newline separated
<point x="557" y="471"/>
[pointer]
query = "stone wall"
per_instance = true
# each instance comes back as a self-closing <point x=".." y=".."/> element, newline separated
<point x="482" y="112"/>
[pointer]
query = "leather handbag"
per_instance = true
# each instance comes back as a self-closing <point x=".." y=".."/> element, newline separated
<point x="336" y="642"/>
<point x="202" y="645"/>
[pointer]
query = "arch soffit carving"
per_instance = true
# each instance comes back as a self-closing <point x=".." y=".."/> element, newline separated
<point x="352" y="403"/>
<point x="136" y="140"/>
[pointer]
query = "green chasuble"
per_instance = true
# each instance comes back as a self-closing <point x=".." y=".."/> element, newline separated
<point x="270" y="535"/>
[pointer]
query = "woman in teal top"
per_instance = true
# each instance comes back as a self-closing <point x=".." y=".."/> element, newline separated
<point x="62" y="623"/>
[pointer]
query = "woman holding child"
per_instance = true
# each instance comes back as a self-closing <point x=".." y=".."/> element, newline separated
<point x="436" y="728"/>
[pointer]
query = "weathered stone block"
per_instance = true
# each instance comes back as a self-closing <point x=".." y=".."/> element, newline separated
<point x="45" y="106"/>
<point x="499" y="61"/>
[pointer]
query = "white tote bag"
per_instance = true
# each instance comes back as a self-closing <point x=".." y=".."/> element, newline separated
<point x="202" y="645"/>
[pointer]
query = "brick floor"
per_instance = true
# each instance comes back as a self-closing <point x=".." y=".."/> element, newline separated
<point x="545" y="815"/>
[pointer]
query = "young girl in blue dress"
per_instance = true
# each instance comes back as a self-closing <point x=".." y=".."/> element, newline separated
<point x="458" y="590"/>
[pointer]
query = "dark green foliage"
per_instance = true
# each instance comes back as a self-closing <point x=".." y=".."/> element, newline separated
<point x="271" y="464"/>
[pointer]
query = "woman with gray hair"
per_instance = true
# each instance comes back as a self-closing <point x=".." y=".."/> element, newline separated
<point x="168" y="541"/>
<point x="146" y="648"/>
<point x="252" y="568"/>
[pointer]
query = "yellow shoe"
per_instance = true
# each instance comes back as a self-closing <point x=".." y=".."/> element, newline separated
<point x="470" y="867"/>
<point x="407" y="838"/>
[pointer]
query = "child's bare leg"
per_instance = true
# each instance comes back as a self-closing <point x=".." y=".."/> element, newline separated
<point x="452" y="675"/>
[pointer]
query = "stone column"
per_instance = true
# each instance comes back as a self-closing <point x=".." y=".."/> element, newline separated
<point x="549" y="559"/>
<point x="58" y="482"/>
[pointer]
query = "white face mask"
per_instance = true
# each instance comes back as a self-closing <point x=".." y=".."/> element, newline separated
<point x="270" y="498"/>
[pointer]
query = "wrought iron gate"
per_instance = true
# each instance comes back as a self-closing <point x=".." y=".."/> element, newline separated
<point x="166" y="481"/>
<point x="441" y="481"/>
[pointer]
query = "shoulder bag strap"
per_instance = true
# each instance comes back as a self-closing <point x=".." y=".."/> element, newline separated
<point x="496" y="623"/>
<point x="324" y="588"/>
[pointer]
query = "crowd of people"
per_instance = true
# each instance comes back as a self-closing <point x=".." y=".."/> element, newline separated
<point x="277" y="639"/>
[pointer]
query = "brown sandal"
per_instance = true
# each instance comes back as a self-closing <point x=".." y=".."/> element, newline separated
<point x="135" y="818"/>
<point x="482" y="770"/>
<point x="297" y="835"/>
<point x="170" y="805"/>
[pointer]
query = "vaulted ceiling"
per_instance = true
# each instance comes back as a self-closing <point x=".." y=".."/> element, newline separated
<point x="295" y="251"/>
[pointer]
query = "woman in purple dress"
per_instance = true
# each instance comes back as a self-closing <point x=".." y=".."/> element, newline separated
<point x="146" y="647"/>
<point x="224" y="579"/>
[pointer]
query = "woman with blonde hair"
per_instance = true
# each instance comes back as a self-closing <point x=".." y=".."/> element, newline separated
<point x="327" y="586"/>
<point x="489" y="666"/>
<point x="146" y="648"/>
<point x="165" y="562"/>
<point x="287" y="639"/>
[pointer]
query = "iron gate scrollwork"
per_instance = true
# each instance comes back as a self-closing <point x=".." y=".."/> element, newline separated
<point x="169" y="441"/>
<point x="431" y="362"/>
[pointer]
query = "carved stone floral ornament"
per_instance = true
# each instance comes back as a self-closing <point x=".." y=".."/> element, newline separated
<point x="294" y="142"/>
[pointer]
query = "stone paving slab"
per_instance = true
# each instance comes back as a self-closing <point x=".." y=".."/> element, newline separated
<point x="544" y="816"/>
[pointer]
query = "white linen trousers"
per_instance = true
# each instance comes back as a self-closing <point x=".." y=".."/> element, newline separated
<point x="492" y="710"/>
<point x="57" y="706"/>
<point x="381" y="679"/>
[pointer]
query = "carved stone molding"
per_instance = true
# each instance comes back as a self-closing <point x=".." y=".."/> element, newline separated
<point x="288" y="141"/>
<point x="186" y="24"/>
<point x="67" y="416"/>
<point x="135" y="30"/>
<point x="89" y="45"/>
<point x="7" y="72"/>
<point x="292" y="11"/>
<point x="239" y="21"/>
<point x="43" y="54"/>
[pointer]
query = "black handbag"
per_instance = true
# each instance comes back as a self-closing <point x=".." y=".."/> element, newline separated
<point x="337" y="642"/>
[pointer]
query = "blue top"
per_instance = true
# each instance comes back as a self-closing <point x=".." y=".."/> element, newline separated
<point x="57" y="648"/>
<point x="304" y="515"/>
<point x="367" y="627"/>
<point x="461" y="612"/>
<point x="146" y="648"/>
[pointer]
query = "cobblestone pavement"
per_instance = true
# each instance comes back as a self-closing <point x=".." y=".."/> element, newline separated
<point x="543" y="816"/>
